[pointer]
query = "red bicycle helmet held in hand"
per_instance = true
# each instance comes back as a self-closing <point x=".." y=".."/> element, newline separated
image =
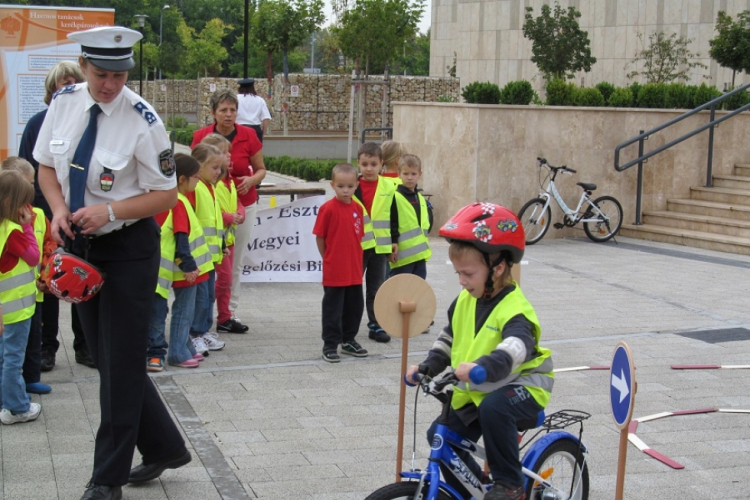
<point x="71" y="278"/>
<point x="489" y="227"/>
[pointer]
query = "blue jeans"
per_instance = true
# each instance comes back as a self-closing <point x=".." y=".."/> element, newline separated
<point x="205" y="297"/>
<point x="12" y="351"/>
<point x="157" y="342"/>
<point x="180" y="346"/>
<point x="32" y="365"/>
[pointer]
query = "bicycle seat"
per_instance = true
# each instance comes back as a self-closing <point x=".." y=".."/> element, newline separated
<point x="586" y="185"/>
<point x="531" y="423"/>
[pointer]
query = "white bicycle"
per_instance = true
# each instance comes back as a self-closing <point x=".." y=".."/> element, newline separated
<point x="601" y="217"/>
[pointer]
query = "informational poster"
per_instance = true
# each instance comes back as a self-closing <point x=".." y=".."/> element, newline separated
<point x="32" y="41"/>
<point x="282" y="247"/>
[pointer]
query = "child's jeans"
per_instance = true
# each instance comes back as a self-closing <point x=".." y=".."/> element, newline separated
<point x="32" y="363"/>
<point x="418" y="268"/>
<point x="157" y="342"/>
<point x="12" y="351"/>
<point x="180" y="345"/>
<point x="224" y="286"/>
<point x="375" y="268"/>
<point x="205" y="295"/>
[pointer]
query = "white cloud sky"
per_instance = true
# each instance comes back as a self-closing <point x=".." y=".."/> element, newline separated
<point x="424" y="24"/>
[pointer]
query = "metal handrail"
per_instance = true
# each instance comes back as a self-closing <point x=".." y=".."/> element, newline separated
<point x="389" y="130"/>
<point x="643" y="136"/>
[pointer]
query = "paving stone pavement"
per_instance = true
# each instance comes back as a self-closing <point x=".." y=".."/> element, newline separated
<point x="267" y="418"/>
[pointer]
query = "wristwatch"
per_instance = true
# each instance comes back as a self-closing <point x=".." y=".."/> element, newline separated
<point x="111" y="213"/>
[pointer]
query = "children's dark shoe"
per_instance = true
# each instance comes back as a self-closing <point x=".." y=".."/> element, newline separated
<point x="379" y="335"/>
<point x="331" y="356"/>
<point x="155" y="364"/>
<point x="353" y="349"/>
<point x="500" y="491"/>
<point x="231" y="326"/>
<point x="48" y="361"/>
<point x="83" y="357"/>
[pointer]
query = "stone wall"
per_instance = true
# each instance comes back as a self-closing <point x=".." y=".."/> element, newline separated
<point x="488" y="153"/>
<point x="322" y="102"/>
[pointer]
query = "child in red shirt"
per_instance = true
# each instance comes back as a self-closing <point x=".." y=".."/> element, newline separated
<point x="338" y="231"/>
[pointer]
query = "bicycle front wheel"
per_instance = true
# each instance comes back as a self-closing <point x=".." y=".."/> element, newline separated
<point x="535" y="220"/>
<point x="404" y="491"/>
<point x="562" y="465"/>
<point x="610" y="219"/>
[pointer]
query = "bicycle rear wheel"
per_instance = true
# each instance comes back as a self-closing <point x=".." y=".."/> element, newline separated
<point x="610" y="219"/>
<point x="535" y="220"/>
<point x="562" y="465"/>
<point x="404" y="491"/>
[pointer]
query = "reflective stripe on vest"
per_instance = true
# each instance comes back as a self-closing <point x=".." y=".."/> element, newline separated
<point x="197" y="243"/>
<point x="209" y="214"/>
<point x="413" y="244"/>
<point x="40" y="227"/>
<point x="536" y="374"/>
<point x="17" y="286"/>
<point x="168" y="246"/>
<point x="377" y="229"/>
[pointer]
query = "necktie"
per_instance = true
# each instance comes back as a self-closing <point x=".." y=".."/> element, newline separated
<point x="79" y="170"/>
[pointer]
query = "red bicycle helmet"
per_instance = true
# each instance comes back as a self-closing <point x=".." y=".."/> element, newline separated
<point x="71" y="278"/>
<point x="490" y="228"/>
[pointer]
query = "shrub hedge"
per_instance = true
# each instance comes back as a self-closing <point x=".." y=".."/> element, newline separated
<point x="481" y="93"/>
<point x="519" y="92"/>
<point x="183" y="135"/>
<point x="622" y="97"/>
<point x="302" y="168"/>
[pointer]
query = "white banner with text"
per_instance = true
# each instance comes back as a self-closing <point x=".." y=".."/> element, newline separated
<point x="282" y="247"/>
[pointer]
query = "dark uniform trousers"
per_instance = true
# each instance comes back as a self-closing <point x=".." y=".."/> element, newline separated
<point x="115" y="323"/>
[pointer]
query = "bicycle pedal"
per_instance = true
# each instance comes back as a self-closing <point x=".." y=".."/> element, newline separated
<point x="558" y="225"/>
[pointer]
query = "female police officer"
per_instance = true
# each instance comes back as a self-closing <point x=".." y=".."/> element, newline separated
<point x="106" y="168"/>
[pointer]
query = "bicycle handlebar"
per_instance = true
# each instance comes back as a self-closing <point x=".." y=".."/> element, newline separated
<point x="563" y="168"/>
<point x="478" y="375"/>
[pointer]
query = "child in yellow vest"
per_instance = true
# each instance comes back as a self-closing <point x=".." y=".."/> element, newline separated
<point x="32" y="364"/>
<point x="492" y="325"/>
<point x="19" y="256"/>
<point x="375" y="194"/>
<point x="209" y="214"/>
<point x="232" y="213"/>
<point x="410" y="222"/>
<point x="392" y="153"/>
<point x="185" y="263"/>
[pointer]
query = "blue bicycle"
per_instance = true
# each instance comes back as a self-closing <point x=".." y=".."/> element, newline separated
<point x="554" y="464"/>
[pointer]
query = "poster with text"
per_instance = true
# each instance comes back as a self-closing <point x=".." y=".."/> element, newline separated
<point x="32" y="41"/>
<point x="282" y="247"/>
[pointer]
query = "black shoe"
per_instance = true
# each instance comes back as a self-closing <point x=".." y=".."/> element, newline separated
<point x="500" y="491"/>
<point x="48" y="361"/>
<point x="143" y="473"/>
<point x="352" y="348"/>
<point x="101" y="492"/>
<point x="231" y="326"/>
<point x="378" y="334"/>
<point x="84" y="358"/>
<point x="331" y="356"/>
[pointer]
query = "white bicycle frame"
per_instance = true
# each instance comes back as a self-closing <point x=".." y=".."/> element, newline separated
<point x="551" y="192"/>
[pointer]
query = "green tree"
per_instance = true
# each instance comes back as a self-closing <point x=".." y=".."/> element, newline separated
<point x="204" y="53"/>
<point x="256" y="61"/>
<point x="665" y="59"/>
<point x="373" y="32"/>
<point x="416" y="58"/>
<point x="283" y="25"/>
<point x="559" y="45"/>
<point x="150" y="60"/>
<point x="731" y="47"/>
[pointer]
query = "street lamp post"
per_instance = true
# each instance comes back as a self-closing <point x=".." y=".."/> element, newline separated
<point x="160" y="16"/>
<point x="141" y="22"/>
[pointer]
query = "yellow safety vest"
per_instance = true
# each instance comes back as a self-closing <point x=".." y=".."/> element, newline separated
<point x="209" y="214"/>
<point x="535" y="375"/>
<point x="227" y="198"/>
<point x="40" y="227"/>
<point x="17" y="286"/>
<point x="169" y="271"/>
<point x="413" y="244"/>
<point x="377" y="230"/>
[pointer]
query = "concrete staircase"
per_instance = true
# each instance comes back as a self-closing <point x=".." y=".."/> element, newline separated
<point x="715" y="218"/>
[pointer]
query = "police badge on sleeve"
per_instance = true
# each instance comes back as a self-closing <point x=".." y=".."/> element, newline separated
<point x="166" y="163"/>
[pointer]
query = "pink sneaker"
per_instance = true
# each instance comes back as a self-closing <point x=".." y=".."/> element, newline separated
<point x="199" y="357"/>
<point x="188" y="363"/>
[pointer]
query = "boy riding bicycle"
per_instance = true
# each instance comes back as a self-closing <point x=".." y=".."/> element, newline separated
<point x="491" y="324"/>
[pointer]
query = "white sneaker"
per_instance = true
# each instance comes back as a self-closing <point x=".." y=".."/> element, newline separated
<point x="33" y="412"/>
<point x="200" y="346"/>
<point x="211" y="339"/>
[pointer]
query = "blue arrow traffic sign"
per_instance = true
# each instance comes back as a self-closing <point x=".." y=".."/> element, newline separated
<point x="622" y="385"/>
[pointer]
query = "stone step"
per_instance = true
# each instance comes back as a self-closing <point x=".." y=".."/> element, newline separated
<point x="710" y="208"/>
<point x="696" y="239"/>
<point x="732" y="181"/>
<point x="742" y="169"/>
<point x="696" y="222"/>
<point x="721" y="195"/>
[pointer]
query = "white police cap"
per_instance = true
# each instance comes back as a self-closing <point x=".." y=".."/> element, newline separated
<point x="108" y="47"/>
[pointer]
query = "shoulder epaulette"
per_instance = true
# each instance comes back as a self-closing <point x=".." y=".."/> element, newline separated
<point x="66" y="90"/>
<point x="145" y="112"/>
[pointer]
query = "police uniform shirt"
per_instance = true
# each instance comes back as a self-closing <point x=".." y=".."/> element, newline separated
<point x="132" y="155"/>
<point x="251" y="110"/>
